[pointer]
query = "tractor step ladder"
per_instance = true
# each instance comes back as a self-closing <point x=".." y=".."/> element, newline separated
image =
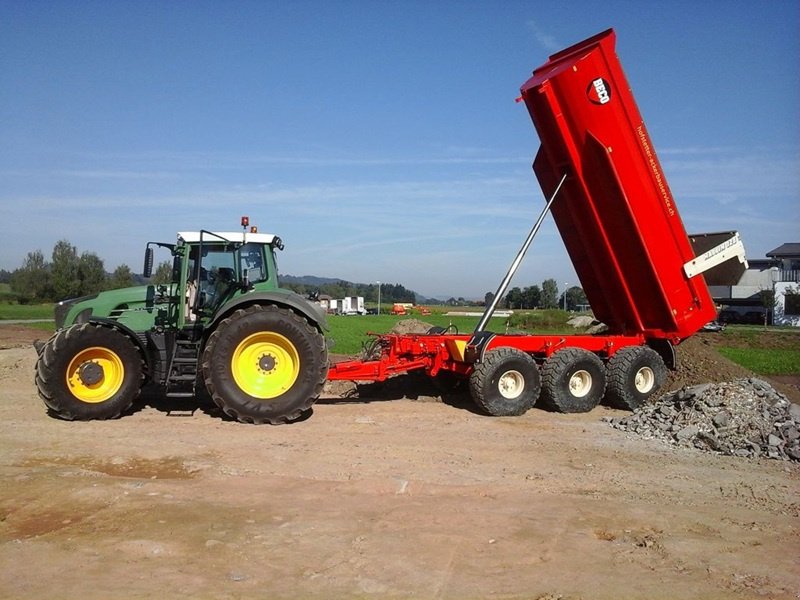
<point x="182" y="373"/>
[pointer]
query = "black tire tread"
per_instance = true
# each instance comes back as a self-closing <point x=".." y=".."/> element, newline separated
<point x="49" y="373"/>
<point x="619" y="393"/>
<point x="554" y="396"/>
<point x="234" y="409"/>
<point x="484" y="372"/>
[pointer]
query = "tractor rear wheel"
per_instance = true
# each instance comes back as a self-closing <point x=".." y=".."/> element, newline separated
<point x="265" y="364"/>
<point x="573" y="381"/>
<point x="505" y="383"/>
<point x="634" y="374"/>
<point x="88" y="371"/>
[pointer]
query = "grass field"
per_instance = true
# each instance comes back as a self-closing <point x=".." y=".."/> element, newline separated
<point x="765" y="361"/>
<point x="771" y="351"/>
<point x="25" y="311"/>
<point x="350" y="333"/>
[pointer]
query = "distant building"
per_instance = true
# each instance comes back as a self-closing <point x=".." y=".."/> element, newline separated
<point x="324" y="301"/>
<point x="778" y="274"/>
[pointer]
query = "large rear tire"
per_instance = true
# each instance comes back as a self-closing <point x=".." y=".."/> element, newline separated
<point x="634" y="374"/>
<point x="505" y="383"/>
<point x="265" y="364"/>
<point x="89" y="371"/>
<point x="573" y="381"/>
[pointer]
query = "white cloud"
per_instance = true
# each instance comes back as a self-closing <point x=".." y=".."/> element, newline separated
<point x="545" y="40"/>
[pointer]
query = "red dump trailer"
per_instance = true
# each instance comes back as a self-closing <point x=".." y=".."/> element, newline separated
<point x="614" y="210"/>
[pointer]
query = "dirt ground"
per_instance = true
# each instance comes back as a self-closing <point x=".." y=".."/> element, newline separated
<point x="372" y="498"/>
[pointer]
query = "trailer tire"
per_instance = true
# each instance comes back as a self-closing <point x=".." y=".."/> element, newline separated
<point x="634" y="374"/>
<point x="265" y="364"/>
<point x="573" y="381"/>
<point x="88" y="371"/>
<point x="505" y="383"/>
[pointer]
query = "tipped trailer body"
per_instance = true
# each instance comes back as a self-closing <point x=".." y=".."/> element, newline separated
<point x="620" y="225"/>
<point x="616" y="213"/>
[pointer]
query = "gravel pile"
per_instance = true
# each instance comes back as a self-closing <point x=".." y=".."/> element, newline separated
<point x="745" y="417"/>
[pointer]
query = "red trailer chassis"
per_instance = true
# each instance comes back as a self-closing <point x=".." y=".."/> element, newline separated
<point x="612" y="205"/>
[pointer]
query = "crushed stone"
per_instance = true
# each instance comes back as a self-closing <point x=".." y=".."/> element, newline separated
<point x="745" y="417"/>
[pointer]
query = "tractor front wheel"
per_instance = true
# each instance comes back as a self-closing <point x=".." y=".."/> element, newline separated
<point x="265" y="364"/>
<point x="89" y="371"/>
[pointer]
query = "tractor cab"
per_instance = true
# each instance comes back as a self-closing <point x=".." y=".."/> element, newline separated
<point x="211" y="268"/>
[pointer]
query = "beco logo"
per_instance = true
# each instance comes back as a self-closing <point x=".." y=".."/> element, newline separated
<point x="599" y="91"/>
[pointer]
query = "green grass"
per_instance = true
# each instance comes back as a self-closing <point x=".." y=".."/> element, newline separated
<point x="765" y="361"/>
<point x="541" y="321"/>
<point x="350" y="333"/>
<point x="25" y="311"/>
<point x="767" y="351"/>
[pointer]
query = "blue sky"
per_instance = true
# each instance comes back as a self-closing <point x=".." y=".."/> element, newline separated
<point x="380" y="140"/>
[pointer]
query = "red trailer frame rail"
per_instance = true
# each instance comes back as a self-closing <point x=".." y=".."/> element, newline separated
<point x="616" y="215"/>
<point x="400" y="353"/>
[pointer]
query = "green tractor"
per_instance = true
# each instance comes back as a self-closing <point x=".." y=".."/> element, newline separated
<point x="221" y="327"/>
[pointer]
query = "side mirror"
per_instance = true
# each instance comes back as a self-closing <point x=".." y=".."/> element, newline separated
<point x="147" y="271"/>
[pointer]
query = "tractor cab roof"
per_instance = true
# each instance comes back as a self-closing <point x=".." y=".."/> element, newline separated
<point x="238" y="237"/>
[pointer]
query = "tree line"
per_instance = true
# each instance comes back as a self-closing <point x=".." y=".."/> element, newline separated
<point x="68" y="275"/>
<point x="390" y="292"/>
<point x="544" y="296"/>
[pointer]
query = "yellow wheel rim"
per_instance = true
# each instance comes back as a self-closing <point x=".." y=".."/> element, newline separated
<point x="95" y="374"/>
<point x="265" y="365"/>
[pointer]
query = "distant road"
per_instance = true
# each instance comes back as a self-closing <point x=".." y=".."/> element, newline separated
<point x="23" y="321"/>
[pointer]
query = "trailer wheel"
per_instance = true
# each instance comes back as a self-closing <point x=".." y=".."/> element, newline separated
<point x="505" y="383"/>
<point x="573" y="381"/>
<point x="634" y="374"/>
<point x="88" y="371"/>
<point x="265" y="364"/>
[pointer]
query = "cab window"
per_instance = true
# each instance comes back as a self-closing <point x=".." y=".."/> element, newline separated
<point x="252" y="264"/>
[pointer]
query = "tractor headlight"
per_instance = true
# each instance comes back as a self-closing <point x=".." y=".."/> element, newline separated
<point x="62" y="310"/>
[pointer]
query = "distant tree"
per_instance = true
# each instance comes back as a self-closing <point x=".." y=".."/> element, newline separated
<point x="514" y="298"/>
<point x="162" y="274"/>
<point x="122" y="277"/>
<point x="64" y="270"/>
<point x="488" y="298"/>
<point x="575" y="297"/>
<point x="5" y="276"/>
<point x="31" y="282"/>
<point x="549" y="294"/>
<point x="91" y="274"/>
<point x="531" y="297"/>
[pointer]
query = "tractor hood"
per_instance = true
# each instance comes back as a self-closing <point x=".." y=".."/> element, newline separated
<point x="133" y="306"/>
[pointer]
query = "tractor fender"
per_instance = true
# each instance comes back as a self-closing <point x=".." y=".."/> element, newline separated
<point x="124" y="329"/>
<point x="311" y="311"/>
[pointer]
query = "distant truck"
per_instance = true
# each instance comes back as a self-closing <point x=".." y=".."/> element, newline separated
<point x="352" y="305"/>
<point x="399" y="309"/>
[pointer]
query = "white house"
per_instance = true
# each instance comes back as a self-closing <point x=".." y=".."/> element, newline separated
<point x="785" y="275"/>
